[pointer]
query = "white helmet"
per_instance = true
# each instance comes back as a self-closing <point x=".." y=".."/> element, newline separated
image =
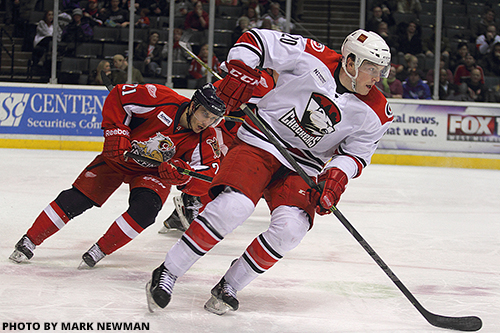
<point x="366" y="45"/>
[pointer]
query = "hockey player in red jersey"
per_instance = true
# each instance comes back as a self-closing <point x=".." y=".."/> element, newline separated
<point x="149" y="120"/>
<point x="324" y="111"/>
<point x="187" y="207"/>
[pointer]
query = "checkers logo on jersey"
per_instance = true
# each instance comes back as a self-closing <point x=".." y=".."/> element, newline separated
<point x="320" y="117"/>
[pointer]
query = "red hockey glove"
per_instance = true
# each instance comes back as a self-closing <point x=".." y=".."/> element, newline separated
<point x="238" y="85"/>
<point x="168" y="172"/>
<point x="333" y="182"/>
<point x="116" y="143"/>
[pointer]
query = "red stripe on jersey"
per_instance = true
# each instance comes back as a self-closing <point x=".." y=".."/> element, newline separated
<point x="260" y="256"/>
<point x="201" y="236"/>
<point x="378" y="103"/>
<point x="330" y="58"/>
<point x="248" y="38"/>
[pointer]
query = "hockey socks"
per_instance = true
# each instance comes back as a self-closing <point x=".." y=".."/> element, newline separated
<point x="122" y="231"/>
<point x="50" y="221"/>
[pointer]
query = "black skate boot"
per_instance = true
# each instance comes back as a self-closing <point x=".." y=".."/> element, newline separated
<point x="187" y="207"/>
<point x="23" y="250"/>
<point x="172" y="222"/>
<point x="159" y="288"/>
<point x="223" y="299"/>
<point x="91" y="257"/>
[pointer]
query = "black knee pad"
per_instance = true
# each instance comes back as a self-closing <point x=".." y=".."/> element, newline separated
<point x="144" y="205"/>
<point x="73" y="202"/>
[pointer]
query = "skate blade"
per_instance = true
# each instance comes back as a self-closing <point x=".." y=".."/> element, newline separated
<point x="217" y="306"/>
<point x="83" y="266"/>
<point x="163" y="230"/>
<point x="152" y="306"/>
<point x="18" y="257"/>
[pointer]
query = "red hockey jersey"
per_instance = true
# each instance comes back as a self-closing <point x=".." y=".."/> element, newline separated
<point x="152" y="113"/>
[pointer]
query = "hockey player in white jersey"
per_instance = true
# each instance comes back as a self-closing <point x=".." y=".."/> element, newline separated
<point x="324" y="111"/>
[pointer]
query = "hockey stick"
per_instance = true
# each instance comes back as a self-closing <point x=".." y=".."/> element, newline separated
<point x="183" y="171"/>
<point x="469" y="323"/>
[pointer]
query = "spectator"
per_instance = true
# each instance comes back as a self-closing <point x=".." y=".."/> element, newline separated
<point x="95" y="75"/>
<point x="143" y="22"/>
<point x="447" y="90"/>
<point x="414" y="87"/>
<point x="198" y="72"/>
<point x="495" y="94"/>
<point x="472" y="89"/>
<point x="463" y="71"/>
<point x="484" y="43"/>
<point x="92" y="13"/>
<point x="43" y="38"/>
<point x="442" y="65"/>
<point x="197" y="19"/>
<point x="409" y="39"/>
<point x="384" y="32"/>
<point x="404" y="70"/>
<point x="254" y="20"/>
<point x="409" y="6"/>
<point x="260" y="7"/>
<point x="241" y="28"/>
<point x="278" y="21"/>
<point x="481" y="27"/>
<point x="429" y="45"/>
<point x="380" y="15"/>
<point x="179" y="54"/>
<point x="391" y="87"/>
<point x="115" y="16"/>
<point x="120" y="72"/>
<point x="181" y="8"/>
<point x="150" y="52"/>
<point x="156" y="8"/>
<point x="491" y="62"/>
<point x="76" y="32"/>
<point x="458" y="58"/>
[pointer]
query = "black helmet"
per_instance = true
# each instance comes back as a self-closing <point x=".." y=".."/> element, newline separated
<point x="206" y="97"/>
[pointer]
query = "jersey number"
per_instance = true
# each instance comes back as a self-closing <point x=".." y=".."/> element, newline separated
<point x="289" y="39"/>
<point x="129" y="89"/>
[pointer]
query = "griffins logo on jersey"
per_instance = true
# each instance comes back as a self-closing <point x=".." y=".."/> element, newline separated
<point x="159" y="148"/>
<point x="320" y="117"/>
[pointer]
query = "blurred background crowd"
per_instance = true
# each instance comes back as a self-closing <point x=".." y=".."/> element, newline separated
<point x="93" y="37"/>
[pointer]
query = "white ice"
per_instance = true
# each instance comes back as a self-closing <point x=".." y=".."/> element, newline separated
<point x="438" y="229"/>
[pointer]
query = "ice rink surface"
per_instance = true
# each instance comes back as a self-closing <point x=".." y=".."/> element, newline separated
<point x="438" y="229"/>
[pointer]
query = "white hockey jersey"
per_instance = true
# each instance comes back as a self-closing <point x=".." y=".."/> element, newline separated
<point x="318" y="120"/>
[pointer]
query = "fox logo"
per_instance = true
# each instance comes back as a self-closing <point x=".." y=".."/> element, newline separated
<point x="12" y="106"/>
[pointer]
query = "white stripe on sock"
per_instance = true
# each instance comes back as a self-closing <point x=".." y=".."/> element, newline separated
<point x="126" y="228"/>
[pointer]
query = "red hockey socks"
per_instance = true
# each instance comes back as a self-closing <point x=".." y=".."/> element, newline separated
<point x="122" y="231"/>
<point x="50" y="221"/>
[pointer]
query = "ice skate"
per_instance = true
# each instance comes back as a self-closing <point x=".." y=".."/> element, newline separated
<point x="172" y="222"/>
<point x="91" y="257"/>
<point x="23" y="250"/>
<point x="159" y="288"/>
<point x="223" y="299"/>
<point x="187" y="207"/>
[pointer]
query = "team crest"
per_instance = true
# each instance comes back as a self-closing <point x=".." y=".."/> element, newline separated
<point x="320" y="117"/>
<point x="159" y="147"/>
<point x="215" y="147"/>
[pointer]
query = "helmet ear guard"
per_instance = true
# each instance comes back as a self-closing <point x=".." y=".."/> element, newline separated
<point x="366" y="45"/>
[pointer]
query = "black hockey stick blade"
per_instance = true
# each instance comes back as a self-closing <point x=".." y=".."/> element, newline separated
<point x="107" y="81"/>
<point x="466" y="324"/>
<point x="179" y="169"/>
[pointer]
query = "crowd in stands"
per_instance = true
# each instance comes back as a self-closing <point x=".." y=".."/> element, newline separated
<point x="469" y="53"/>
<point x="404" y="24"/>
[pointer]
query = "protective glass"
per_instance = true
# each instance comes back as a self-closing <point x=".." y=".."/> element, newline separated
<point x="374" y="70"/>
